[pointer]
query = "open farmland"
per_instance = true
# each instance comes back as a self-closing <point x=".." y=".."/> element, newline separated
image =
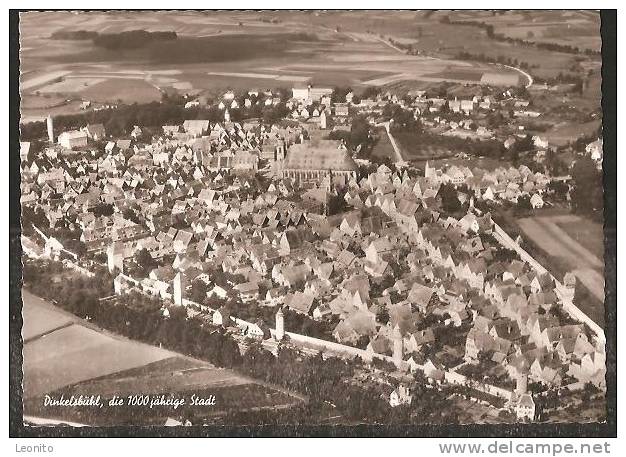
<point x="127" y="90"/>
<point x="414" y="149"/>
<point x="175" y="377"/>
<point x="215" y="52"/>
<point x="70" y="85"/>
<point x="589" y="234"/>
<point x="67" y="354"/>
<point x="575" y="28"/>
<point x="63" y="355"/>
<point x="562" y="133"/>
<point x="552" y="235"/>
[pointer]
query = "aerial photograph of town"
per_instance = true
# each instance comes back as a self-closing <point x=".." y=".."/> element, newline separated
<point x="312" y="217"/>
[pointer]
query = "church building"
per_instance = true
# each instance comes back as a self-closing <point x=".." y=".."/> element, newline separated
<point x="312" y="161"/>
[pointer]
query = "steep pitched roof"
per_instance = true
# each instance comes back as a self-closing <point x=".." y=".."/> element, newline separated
<point x="321" y="155"/>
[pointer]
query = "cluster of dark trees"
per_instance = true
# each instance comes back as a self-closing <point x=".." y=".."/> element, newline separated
<point x="324" y="381"/>
<point x="581" y="142"/>
<point x="78" y="295"/>
<point x="370" y="92"/>
<point x="554" y="165"/>
<point x="339" y="95"/>
<point x="410" y="133"/>
<point x="115" y="41"/>
<point x="131" y="39"/>
<point x="504" y="60"/>
<point x="358" y="138"/>
<point x="587" y="189"/>
<point x="558" y="190"/>
<point x="562" y="78"/>
<point x="136" y="316"/>
<point x="119" y="121"/>
<point x="415" y="141"/>
<point x="402" y="119"/>
<point x="450" y="202"/>
<point x="145" y="262"/>
<point x="69" y="238"/>
<point x="73" y="35"/>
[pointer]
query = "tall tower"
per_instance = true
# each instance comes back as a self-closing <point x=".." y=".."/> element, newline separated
<point x="397" y="345"/>
<point x="50" y="125"/>
<point x="323" y="120"/>
<point x="522" y="384"/>
<point x="280" y="150"/>
<point x="178" y="289"/>
<point x="280" y="325"/>
<point x="113" y="261"/>
<point x="226" y="115"/>
<point x="198" y="156"/>
<point x="428" y="171"/>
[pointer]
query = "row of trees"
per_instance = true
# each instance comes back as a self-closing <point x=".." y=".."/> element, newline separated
<point x="587" y="188"/>
<point x="115" y="41"/>
<point x="504" y="60"/>
<point x="327" y="381"/>
<point x="425" y="141"/>
<point x="119" y="121"/>
<point x="136" y="316"/>
<point x="490" y="31"/>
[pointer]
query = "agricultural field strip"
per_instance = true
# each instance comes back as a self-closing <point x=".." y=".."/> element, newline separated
<point x="72" y="85"/>
<point x="46" y="374"/>
<point x="43" y="79"/>
<point x="36" y="324"/>
<point x="576" y="249"/>
<point x="59" y="358"/>
<point x="260" y="76"/>
<point x="592" y="280"/>
<point x="68" y="368"/>
<point x="163" y="383"/>
<point x="552" y="245"/>
<point x="387" y="80"/>
<point x="45" y="333"/>
<point x="547" y="240"/>
<point x="569" y="222"/>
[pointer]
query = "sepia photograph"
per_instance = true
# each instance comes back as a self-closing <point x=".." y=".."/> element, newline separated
<point x="312" y="218"/>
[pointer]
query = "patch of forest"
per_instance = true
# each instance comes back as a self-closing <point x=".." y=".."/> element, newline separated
<point x="169" y="48"/>
<point x="130" y="39"/>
